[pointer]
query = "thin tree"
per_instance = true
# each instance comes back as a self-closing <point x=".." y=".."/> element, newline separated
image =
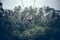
<point x="22" y="3"/>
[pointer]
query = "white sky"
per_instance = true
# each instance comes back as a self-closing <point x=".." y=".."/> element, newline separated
<point x="10" y="4"/>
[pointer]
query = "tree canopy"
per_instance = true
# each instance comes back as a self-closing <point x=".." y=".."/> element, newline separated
<point x="29" y="23"/>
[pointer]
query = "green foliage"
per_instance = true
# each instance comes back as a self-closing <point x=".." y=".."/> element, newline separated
<point x="31" y="23"/>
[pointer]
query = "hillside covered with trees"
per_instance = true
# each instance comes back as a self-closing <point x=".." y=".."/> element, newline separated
<point x="29" y="23"/>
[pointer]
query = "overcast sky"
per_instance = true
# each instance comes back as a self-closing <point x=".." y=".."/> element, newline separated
<point x="10" y="4"/>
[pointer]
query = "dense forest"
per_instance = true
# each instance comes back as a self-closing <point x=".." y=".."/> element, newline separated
<point x="29" y="23"/>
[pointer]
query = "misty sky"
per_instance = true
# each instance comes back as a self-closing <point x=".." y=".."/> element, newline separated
<point x="10" y="4"/>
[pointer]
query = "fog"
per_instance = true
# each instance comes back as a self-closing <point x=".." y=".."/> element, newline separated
<point x="10" y="4"/>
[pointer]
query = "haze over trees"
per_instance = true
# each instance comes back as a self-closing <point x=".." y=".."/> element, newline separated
<point x="29" y="23"/>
